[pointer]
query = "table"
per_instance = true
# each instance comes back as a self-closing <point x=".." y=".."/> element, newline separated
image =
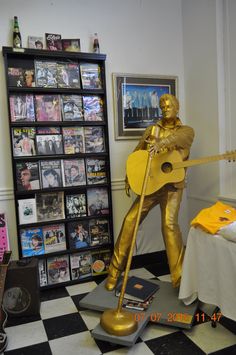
<point x="209" y="271"/>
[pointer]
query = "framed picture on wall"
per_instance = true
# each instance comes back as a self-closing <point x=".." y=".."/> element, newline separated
<point x="136" y="102"/>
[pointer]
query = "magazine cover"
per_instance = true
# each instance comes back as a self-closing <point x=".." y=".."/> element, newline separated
<point x="48" y="130"/>
<point x="94" y="139"/>
<point x="23" y="140"/>
<point x="4" y="239"/>
<point x="27" y="211"/>
<point x="73" y="172"/>
<point x="99" y="232"/>
<point x="91" y="76"/>
<point x="97" y="199"/>
<point x="22" y="108"/>
<point x="78" y="234"/>
<point x="47" y="108"/>
<point x="96" y="171"/>
<point x="43" y="280"/>
<point x="100" y="262"/>
<point x="58" y="269"/>
<point x="32" y="241"/>
<point x="54" y="238"/>
<point x="72" y="109"/>
<point x="50" y="206"/>
<point x="15" y="77"/>
<point x="68" y="75"/>
<point x="35" y="42"/>
<point x="45" y="74"/>
<point x="53" y="41"/>
<point x="27" y="176"/>
<point x="93" y="108"/>
<point x="49" y="144"/>
<point x="51" y="175"/>
<point x="80" y="264"/>
<point x="76" y="206"/>
<point x="71" y="44"/>
<point x="73" y="138"/>
<point x="29" y="80"/>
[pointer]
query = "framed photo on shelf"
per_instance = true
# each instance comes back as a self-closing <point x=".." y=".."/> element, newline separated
<point x="136" y="102"/>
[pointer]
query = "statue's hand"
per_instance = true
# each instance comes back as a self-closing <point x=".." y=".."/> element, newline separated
<point x="153" y="147"/>
<point x="127" y="187"/>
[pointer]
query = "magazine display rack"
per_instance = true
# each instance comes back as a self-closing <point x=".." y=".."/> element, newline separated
<point x="60" y="161"/>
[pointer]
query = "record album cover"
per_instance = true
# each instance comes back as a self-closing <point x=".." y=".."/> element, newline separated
<point x="48" y="108"/>
<point x="93" y="108"/>
<point x="71" y="44"/>
<point x="100" y="262"/>
<point x="80" y="264"/>
<point x="58" y="269"/>
<point x="45" y="74"/>
<point x="94" y="139"/>
<point x="99" y="231"/>
<point x="50" y="206"/>
<point x="22" y="108"/>
<point x="91" y="76"/>
<point x="53" y="41"/>
<point x="78" y="234"/>
<point x="68" y="75"/>
<point x="51" y="174"/>
<point x="23" y="140"/>
<point x="73" y="172"/>
<point x="27" y="176"/>
<point x="72" y="108"/>
<point x="49" y="144"/>
<point x="97" y="199"/>
<point x="76" y="205"/>
<point x="73" y="138"/>
<point x="15" y="77"/>
<point x="96" y="171"/>
<point x="32" y="241"/>
<point x="54" y="238"/>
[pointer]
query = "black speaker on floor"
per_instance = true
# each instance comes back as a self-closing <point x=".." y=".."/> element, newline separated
<point x="21" y="295"/>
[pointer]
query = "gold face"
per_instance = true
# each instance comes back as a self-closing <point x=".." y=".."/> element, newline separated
<point x="169" y="111"/>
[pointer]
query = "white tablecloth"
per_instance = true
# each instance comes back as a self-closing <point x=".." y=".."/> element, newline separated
<point x="209" y="271"/>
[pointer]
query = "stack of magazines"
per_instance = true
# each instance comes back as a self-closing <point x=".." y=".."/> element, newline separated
<point x="139" y="293"/>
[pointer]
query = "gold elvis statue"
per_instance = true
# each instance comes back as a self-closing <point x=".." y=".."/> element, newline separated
<point x="171" y="136"/>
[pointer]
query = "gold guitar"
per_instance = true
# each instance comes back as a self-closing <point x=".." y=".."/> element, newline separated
<point x="165" y="168"/>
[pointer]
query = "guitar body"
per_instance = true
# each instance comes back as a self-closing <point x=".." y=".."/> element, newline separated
<point x="161" y="170"/>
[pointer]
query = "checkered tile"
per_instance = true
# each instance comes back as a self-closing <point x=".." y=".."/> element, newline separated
<point x="64" y="327"/>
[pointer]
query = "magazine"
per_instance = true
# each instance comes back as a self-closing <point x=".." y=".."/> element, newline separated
<point x="100" y="262"/>
<point x="27" y="211"/>
<point x="71" y="44"/>
<point x="53" y="41"/>
<point x="80" y="264"/>
<point x="54" y="238"/>
<point x="58" y="269"/>
<point x="35" y="42"/>
<point x="50" y="206"/>
<point x="97" y="199"/>
<point x="51" y="175"/>
<point x="76" y="205"/>
<point x="43" y="280"/>
<point x="68" y="75"/>
<point x="29" y="80"/>
<point x="49" y="144"/>
<point x="31" y="241"/>
<point x="93" y="108"/>
<point x="15" y="77"/>
<point x="22" y="108"/>
<point x="23" y="140"/>
<point x="73" y="140"/>
<point x="45" y="74"/>
<point x="27" y="176"/>
<point x="90" y="76"/>
<point x="99" y="232"/>
<point x="73" y="172"/>
<point x="48" y="130"/>
<point x="72" y="109"/>
<point x="4" y="238"/>
<point x="78" y="234"/>
<point x="96" y="171"/>
<point x="94" y="139"/>
<point x="47" y="108"/>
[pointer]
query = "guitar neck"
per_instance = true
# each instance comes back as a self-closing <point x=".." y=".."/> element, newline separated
<point x="211" y="159"/>
<point x="3" y="272"/>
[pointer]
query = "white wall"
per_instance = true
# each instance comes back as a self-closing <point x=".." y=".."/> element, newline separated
<point x="201" y="94"/>
<point x="138" y="36"/>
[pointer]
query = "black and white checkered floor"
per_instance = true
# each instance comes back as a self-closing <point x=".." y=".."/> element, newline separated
<point x="63" y="328"/>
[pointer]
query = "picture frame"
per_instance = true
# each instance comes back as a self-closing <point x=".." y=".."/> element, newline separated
<point x="136" y="101"/>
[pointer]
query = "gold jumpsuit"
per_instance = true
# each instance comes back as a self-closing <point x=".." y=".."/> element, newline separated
<point x="175" y="136"/>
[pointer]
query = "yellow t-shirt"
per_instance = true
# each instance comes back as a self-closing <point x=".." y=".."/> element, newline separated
<point x="213" y="218"/>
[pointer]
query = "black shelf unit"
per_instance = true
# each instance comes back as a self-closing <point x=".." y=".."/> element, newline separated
<point x="25" y="58"/>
